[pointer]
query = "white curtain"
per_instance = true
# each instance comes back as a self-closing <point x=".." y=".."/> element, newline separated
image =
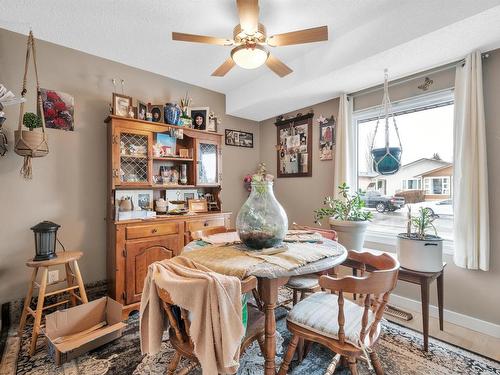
<point x="470" y="180"/>
<point x="345" y="162"/>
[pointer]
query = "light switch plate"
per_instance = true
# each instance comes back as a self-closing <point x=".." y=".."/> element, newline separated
<point x="53" y="276"/>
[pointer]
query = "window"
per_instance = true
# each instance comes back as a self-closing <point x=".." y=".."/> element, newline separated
<point x="412" y="184"/>
<point x="424" y="180"/>
<point x="437" y="185"/>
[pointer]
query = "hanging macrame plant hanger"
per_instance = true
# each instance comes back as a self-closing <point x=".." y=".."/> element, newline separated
<point x="386" y="160"/>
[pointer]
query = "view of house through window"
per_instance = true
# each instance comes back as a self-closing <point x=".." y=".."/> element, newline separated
<point x="425" y="176"/>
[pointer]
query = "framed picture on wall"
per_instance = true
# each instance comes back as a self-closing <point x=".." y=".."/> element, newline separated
<point x="294" y="147"/>
<point x="327" y="134"/>
<point x="238" y="138"/>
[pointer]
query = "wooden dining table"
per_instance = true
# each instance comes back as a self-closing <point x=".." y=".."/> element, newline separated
<point x="270" y="277"/>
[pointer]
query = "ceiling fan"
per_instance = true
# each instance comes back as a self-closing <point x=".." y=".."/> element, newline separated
<point x="250" y="41"/>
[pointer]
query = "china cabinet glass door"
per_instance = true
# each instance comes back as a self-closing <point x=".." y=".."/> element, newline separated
<point x="133" y="156"/>
<point x="207" y="171"/>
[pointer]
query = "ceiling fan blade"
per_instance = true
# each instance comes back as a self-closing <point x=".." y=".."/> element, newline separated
<point x="277" y="66"/>
<point x="316" y="34"/>
<point x="201" y="39"/>
<point x="248" y="11"/>
<point x="222" y="70"/>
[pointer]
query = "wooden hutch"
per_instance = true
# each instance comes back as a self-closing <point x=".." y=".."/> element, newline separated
<point x="132" y="245"/>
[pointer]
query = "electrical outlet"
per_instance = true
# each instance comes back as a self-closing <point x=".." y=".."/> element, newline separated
<point x="53" y="276"/>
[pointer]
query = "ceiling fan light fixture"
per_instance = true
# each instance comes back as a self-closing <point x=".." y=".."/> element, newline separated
<point x="249" y="57"/>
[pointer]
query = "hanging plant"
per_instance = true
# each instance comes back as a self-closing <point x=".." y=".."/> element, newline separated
<point x="32" y="121"/>
<point x="30" y="144"/>
<point x="386" y="160"/>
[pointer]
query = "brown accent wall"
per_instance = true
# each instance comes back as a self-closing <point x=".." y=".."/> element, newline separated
<point x="68" y="185"/>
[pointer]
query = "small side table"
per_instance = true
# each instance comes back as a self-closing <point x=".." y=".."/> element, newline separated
<point x="424" y="279"/>
<point x="73" y="280"/>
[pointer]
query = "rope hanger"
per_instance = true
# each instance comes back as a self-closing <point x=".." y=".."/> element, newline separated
<point x="387" y="160"/>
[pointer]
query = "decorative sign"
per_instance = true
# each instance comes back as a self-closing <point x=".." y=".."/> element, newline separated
<point x="327" y="133"/>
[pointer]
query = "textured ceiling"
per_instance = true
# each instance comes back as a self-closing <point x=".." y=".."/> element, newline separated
<point x="365" y="36"/>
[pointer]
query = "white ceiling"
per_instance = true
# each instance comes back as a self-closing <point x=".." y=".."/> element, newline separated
<point x="365" y="36"/>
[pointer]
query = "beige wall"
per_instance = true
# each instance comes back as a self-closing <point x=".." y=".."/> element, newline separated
<point x="473" y="293"/>
<point x="68" y="185"/>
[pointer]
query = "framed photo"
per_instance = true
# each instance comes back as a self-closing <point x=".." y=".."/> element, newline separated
<point x="238" y="138"/>
<point x="198" y="205"/>
<point x="294" y="147"/>
<point x="121" y="104"/>
<point x="145" y="200"/>
<point x="157" y="112"/>
<point x="142" y="109"/>
<point x="58" y="109"/>
<point x="327" y="134"/>
<point x="199" y="115"/>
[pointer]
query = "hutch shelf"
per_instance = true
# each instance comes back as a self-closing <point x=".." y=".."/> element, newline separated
<point x="132" y="245"/>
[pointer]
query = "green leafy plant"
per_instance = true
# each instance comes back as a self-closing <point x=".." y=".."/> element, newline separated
<point x="347" y="207"/>
<point x="32" y="121"/>
<point x="421" y="224"/>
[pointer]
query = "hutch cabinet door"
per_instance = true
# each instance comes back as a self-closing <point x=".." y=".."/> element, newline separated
<point x="208" y="162"/>
<point x="132" y="163"/>
<point x="139" y="255"/>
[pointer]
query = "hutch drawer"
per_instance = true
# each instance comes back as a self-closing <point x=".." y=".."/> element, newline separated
<point x="194" y="225"/>
<point x="157" y="229"/>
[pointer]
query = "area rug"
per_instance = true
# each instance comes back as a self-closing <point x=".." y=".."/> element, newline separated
<point x="399" y="349"/>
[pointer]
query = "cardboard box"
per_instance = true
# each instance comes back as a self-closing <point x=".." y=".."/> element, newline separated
<point x="77" y="330"/>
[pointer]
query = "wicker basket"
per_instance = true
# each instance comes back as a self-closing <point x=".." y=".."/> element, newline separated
<point x="31" y="143"/>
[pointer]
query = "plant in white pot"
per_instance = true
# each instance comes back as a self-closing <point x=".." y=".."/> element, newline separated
<point x="347" y="216"/>
<point x="418" y="250"/>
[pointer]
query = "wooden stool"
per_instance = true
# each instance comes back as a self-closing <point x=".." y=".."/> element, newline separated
<point x="69" y="259"/>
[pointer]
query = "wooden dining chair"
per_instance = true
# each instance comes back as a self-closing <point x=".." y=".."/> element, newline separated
<point x="348" y="329"/>
<point x="306" y="284"/>
<point x="180" y="323"/>
<point x="199" y="234"/>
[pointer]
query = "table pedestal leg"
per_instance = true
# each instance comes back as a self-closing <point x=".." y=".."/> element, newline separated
<point x="268" y="290"/>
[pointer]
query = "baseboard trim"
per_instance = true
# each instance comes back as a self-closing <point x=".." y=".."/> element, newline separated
<point x="453" y="317"/>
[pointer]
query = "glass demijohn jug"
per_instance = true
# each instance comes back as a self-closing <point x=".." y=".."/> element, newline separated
<point x="262" y="221"/>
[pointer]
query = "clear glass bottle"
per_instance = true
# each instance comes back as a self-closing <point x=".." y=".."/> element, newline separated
<point x="262" y="221"/>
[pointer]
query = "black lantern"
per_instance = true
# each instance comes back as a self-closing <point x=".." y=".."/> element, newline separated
<point x="45" y="240"/>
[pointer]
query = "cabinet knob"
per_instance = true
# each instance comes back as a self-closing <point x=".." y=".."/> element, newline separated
<point x="205" y="224"/>
<point x="154" y="230"/>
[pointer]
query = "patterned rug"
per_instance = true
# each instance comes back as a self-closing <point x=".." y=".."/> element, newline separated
<point x="399" y="349"/>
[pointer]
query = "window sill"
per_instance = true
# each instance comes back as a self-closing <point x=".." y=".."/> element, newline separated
<point x="384" y="242"/>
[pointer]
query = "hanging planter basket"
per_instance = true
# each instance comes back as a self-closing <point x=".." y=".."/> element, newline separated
<point x="386" y="160"/>
<point x="30" y="143"/>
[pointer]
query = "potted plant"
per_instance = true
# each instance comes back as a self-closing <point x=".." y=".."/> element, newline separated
<point x="347" y="216"/>
<point x="418" y="250"/>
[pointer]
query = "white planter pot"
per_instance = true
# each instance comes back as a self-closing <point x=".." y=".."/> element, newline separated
<point x="420" y="255"/>
<point x="351" y="234"/>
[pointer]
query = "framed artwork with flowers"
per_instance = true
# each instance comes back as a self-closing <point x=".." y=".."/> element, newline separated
<point x="58" y="109"/>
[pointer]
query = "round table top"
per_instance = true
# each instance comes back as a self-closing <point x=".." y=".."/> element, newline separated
<point x="62" y="258"/>
<point x="273" y="271"/>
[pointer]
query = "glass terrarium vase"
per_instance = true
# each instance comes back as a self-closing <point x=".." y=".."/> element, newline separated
<point x="262" y="221"/>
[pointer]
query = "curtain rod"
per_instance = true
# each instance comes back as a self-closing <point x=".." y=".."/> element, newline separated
<point x="412" y="77"/>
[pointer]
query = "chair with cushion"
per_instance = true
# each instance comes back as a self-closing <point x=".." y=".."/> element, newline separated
<point x="305" y="284"/>
<point x="179" y="328"/>
<point x="348" y="329"/>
